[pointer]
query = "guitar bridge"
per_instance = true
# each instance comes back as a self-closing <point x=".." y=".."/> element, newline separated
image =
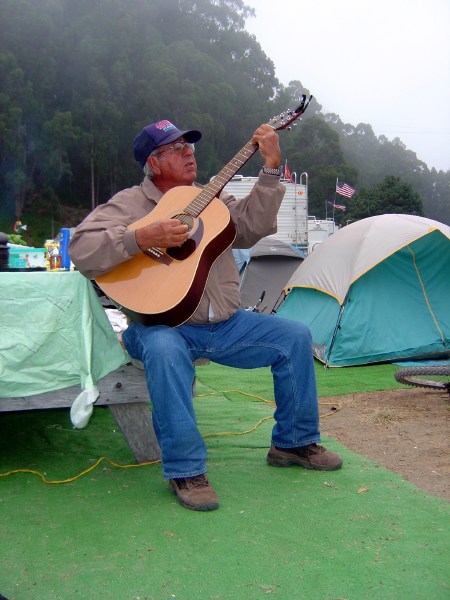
<point x="158" y="255"/>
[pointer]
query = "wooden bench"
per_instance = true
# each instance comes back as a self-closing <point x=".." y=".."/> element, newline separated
<point x="124" y="391"/>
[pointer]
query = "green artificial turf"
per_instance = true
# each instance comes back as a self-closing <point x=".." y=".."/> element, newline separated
<point x="361" y="532"/>
<point x="330" y="382"/>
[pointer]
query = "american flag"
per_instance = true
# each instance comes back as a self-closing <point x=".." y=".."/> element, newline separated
<point x="344" y="189"/>
<point x="338" y="206"/>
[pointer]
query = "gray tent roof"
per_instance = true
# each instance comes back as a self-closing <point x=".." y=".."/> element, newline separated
<point x="272" y="263"/>
<point x="274" y="247"/>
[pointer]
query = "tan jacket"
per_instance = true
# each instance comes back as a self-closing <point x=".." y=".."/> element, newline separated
<point x="103" y="240"/>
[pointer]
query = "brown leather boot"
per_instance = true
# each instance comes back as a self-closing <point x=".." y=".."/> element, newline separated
<point x="312" y="456"/>
<point x="195" y="493"/>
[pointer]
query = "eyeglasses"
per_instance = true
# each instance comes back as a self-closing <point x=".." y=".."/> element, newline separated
<point x="178" y="147"/>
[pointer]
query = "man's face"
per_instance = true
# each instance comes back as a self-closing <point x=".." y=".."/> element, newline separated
<point x="177" y="163"/>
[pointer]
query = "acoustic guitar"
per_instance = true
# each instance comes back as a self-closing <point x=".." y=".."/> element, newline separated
<point x="164" y="286"/>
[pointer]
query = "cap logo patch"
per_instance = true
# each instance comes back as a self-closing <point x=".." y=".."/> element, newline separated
<point x="165" y="125"/>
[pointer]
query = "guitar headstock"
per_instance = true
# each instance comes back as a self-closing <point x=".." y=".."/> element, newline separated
<point x="283" y="120"/>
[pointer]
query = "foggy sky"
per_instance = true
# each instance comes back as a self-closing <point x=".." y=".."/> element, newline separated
<point x="386" y="63"/>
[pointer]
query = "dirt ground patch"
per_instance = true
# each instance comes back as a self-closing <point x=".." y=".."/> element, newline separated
<point x="405" y="431"/>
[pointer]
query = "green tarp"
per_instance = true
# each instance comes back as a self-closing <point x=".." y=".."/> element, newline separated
<point x="54" y="333"/>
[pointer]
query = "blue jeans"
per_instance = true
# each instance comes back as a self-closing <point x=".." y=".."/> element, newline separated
<point x="247" y="340"/>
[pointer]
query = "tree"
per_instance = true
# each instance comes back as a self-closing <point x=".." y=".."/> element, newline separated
<point x="438" y="202"/>
<point x="79" y="79"/>
<point x="314" y="148"/>
<point x="391" y="196"/>
<point x="18" y="113"/>
<point x="376" y="158"/>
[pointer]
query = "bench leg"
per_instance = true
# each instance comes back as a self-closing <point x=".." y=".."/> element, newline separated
<point x="135" y="422"/>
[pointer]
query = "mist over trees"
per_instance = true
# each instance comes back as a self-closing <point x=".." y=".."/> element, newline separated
<point x="80" y="78"/>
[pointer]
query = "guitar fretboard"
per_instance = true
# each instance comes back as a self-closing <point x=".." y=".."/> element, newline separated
<point x="214" y="187"/>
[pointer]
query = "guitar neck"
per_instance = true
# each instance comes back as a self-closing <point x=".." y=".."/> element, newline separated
<point x="214" y="187"/>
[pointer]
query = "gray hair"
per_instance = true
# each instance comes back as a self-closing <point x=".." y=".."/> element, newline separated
<point x="148" y="172"/>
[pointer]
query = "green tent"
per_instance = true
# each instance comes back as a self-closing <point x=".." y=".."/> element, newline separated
<point x="378" y="290"/>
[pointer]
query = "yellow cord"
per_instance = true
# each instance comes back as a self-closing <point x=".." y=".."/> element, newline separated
<point x="153" y="462"/>
<point x="271" y="402"/>
<point x="207" y="435"/>
<point x="94" y="466"/>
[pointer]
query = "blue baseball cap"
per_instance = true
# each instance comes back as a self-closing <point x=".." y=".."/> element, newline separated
<point x="158" y="134"/>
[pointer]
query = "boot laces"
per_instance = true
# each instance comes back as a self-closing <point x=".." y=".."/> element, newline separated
<point x="200" y="481"/>
<point x="315" y="449"/>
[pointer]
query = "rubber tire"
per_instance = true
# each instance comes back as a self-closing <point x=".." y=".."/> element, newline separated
<point x="415" y="376"/>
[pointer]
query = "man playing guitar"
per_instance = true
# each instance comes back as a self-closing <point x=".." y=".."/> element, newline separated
<point x="198" y="314"/>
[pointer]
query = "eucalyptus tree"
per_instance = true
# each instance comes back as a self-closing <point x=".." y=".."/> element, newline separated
<point x="391" y="196"/>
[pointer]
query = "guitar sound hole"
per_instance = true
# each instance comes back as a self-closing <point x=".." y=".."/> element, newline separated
<point x="189" y="245"/>
<point x="182" y="252"/>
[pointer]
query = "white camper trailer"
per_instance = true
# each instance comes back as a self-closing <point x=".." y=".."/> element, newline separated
<point x="319" y="230"/>
<point x="293" y="213"/>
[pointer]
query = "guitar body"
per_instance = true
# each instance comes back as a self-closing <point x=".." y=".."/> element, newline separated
<point x="165" y="288"/>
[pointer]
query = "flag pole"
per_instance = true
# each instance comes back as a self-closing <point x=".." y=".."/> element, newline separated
<point x="334" y="201"/>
